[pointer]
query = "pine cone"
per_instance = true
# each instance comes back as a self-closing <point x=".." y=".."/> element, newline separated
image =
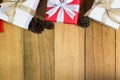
<point x="35" y="26"/>
<point x="84" y="21"/>
<point x="48" y="25"/>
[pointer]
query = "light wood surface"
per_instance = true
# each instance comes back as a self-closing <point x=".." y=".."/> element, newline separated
<point x="117" y="55"/>
<point x="100" y="53"/>
<point x="11" y="54"/>
<point x="68" y="52"/>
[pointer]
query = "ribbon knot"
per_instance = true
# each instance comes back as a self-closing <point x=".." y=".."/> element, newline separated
<point x="18" y="3"/>
<point x="62" y="6"/>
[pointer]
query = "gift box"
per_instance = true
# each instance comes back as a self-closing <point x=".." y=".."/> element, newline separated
<point x="18" y="12"/>
<point x="106" y="12"/>
<point x="64" y="11"/>
<point x="1" y="26"/>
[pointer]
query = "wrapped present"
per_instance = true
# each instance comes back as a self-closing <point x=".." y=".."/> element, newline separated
<point x="1" y="26"/>
<point x="106" y="12"/>
<point x="64" y="11"/>
<point x="18" y="12"/>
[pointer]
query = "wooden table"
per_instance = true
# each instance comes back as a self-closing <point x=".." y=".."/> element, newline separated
<point x="66" y="53"/>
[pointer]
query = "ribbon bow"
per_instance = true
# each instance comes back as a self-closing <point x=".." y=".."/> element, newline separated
<point x="109" y="11"/>
<point x="63" y="5"/>
<point x="12" y="5"/>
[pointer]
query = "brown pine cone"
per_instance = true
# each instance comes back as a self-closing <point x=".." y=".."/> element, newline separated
<point x="84" y="21"/>
<point x="35" y="26"/>
<point x="48" y="25"/>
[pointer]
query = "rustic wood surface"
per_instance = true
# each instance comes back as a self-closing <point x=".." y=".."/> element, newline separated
<point x="66" y="53"/>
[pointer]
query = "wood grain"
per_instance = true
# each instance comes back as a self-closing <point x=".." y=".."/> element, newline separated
<point x="118" y="55"/>
<point x="39" y="55"/>
<point x="66" y="53"/>
<point x="11" y="53"/>
<point x="47" y="55"/>
<point x="100" y="52"/>
<point x="69" y="52"/>
<point x="31" y="56"/>
<point x="39" y="51"/>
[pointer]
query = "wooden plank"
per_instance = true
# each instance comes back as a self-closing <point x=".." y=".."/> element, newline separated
<point x="89" y="55"/>
<point x="47" y="55"/>
<point x="39" y="51"/>
<point x="69" y="52"/>
<point x="118" y="54"/>
<point x="100" y="52"/>
<point x="31" y="56"/>
<point x="11" y="53"/>
<point x="39" y="55"/>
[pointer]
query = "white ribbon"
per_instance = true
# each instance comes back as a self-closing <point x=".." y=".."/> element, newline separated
<point x="62" y="6"/>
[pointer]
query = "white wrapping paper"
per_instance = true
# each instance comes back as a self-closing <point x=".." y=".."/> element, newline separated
<point x="21" y="18"/>
<point x="98" y="12"/>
